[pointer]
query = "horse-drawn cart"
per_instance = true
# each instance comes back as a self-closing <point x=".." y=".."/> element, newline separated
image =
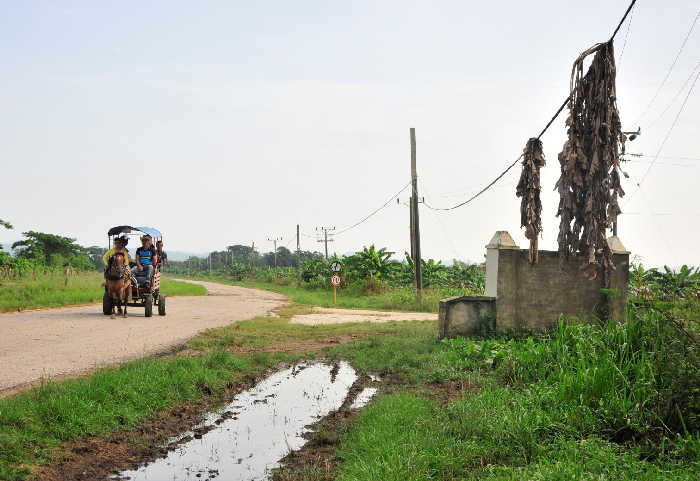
<point x="146" y="292"/>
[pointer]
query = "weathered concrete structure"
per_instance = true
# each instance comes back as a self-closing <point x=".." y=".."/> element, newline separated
<point x="520" y="295"/>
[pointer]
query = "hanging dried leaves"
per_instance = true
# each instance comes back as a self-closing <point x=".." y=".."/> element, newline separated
<point x="529" y="190"/>
<point x="589" y="185"/>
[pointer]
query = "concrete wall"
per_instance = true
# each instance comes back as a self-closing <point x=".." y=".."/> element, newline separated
<point x="521" y="295"/>
<point x="467" y="316"/>
<point x="536" y="295"/>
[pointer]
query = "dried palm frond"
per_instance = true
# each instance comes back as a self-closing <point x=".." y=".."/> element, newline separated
<point x="529" y="189"/>
<point x="589" y="185"/>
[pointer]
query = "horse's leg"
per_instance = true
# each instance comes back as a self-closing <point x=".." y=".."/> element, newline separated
<point x="125" y="296"/>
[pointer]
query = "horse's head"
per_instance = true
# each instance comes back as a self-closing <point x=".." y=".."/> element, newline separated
<point x="118" y="265"/>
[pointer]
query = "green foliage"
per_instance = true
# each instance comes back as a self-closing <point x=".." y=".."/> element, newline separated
<point x="6" y="225"/>
<point x="666" y="285"/>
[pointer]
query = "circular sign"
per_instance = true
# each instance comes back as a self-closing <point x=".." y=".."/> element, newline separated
<point x="336" y="266"/>
<point x="335" y="280"/>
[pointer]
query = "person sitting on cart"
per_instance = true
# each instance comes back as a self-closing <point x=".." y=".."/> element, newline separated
<point x="146" y="258"/>
<point x="119" y="248"/>
<point x="162" y="255"/>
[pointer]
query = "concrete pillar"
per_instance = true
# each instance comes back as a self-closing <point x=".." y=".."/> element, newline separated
<point x="500" y="240"/>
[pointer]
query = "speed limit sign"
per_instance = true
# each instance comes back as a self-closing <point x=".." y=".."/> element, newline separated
<point x="335" y="280"/>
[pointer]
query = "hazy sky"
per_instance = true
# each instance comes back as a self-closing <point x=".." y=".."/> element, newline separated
<point x="230" y="122"/>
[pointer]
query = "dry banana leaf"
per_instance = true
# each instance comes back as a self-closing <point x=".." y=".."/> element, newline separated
<point x="589" y="185"/>
<point x="529" y="190"/>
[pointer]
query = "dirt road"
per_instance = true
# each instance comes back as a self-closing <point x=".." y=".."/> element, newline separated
<point x="324" y="315"/>
<point x="69" y="341"/>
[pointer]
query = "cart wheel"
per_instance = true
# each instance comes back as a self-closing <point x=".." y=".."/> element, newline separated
<point x="148" y="306"/>
<point x="107" y="304"/>
<point x="161" y="305"/>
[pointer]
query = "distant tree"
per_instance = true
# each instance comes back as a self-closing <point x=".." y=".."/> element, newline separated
<point x="6" y="225"/>
<point x="47" y="248"/>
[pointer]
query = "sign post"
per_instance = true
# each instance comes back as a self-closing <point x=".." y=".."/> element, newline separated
<point x="335" y="282"/>
<point x="335" y="267"/>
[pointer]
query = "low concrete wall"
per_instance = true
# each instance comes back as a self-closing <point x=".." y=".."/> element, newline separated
<point x="535" y="296"/>
<point x="467" y="316"/>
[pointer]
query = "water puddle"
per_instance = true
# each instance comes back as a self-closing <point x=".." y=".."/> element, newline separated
<point x="246" y="438"/>
<point x="363" y="398"/>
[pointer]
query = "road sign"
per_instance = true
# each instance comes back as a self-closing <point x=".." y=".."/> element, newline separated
<point x="335" y="280"/>
<point x="336" y="266"/>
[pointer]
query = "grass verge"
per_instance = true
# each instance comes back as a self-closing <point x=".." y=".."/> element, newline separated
<point x="53" y="291"/>
<point x="395" y="299"/>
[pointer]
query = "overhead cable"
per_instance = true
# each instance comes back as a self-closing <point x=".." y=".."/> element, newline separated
<point x="670" y="69"/>
<point x="373" y="212"/>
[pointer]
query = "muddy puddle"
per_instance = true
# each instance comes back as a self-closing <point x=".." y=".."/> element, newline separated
<point x="245" y="439"/>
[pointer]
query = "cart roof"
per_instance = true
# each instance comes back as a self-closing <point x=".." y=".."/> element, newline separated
<point x="127" y="229"/>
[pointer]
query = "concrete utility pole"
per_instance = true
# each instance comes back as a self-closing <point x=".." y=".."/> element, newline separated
<point x="325" y="239"/>
<point x="274" y="241"/>
<point x="415" y="223"/>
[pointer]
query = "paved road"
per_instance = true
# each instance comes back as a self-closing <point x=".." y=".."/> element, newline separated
<point x="69" y="341"/>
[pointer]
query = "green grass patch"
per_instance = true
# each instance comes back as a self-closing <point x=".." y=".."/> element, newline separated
<point x="34" y="422"/>
<point x="54" y="291"/>
<point x="393" y="299"/>
<point x="271" y="331"/>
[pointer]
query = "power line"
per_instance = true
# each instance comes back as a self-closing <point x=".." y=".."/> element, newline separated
<point x="374" y="211"/>
<point x="546" y="127"/>
<point x="675" y="97"/>
<point x="668" y="134"/>
<point x="670" y="69"/>
<point x="478" y="193"/>
<point x="627" y="34"/>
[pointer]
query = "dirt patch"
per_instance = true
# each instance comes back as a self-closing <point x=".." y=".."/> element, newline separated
<point x="324" y="315"/>
<point x="301" y="346"/>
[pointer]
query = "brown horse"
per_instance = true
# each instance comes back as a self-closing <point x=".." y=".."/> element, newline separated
<point x="118" y="282"/>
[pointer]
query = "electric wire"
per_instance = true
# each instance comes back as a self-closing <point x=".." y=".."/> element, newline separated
<point x="556" y="114"/>
<point x="670" y="69"/>
<point x="367" y="217"/>
<point x="627" y="34"/>
<point x="668" y="134"/>
<point x="675" y="97"/>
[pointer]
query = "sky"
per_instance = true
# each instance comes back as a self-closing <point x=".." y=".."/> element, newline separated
<point x="231" y="122"/>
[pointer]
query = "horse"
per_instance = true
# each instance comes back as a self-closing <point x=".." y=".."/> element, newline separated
<point x="118" y="282"/>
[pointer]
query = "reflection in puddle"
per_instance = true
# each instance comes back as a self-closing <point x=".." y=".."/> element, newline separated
<point x="257" y="429"/>
<point x="363" y="398"/>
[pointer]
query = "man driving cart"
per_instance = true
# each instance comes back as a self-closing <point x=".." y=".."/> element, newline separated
<point x="146" y="259"/>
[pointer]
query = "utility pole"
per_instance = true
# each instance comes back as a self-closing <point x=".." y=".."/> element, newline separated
<point x="274" y="241"/>
<point x="325" y="239"/>
<point x="252" y="253"/>
<point x="210" y="263"/>
<point x="415" y="223"/>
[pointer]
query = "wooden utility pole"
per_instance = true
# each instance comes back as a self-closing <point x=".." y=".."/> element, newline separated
<point x="274" y="241"/>
<point x="415" y="223"/>
<point x="325" y="239"/>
